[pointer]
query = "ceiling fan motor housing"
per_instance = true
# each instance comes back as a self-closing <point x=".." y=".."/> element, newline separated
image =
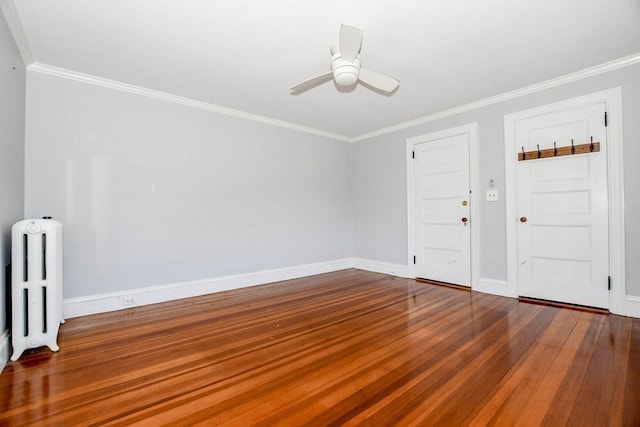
<point x="345" y="73"/>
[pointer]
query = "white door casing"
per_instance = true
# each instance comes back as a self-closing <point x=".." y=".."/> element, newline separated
<point x="612" y="153"/>
<point x="440" y="174"/>
<point x="562" y="205"/>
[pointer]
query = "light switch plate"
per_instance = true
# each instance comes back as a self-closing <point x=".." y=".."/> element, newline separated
<point x="492" y="195"/>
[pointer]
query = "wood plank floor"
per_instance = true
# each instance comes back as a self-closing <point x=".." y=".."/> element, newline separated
<point x="344" y="348"/>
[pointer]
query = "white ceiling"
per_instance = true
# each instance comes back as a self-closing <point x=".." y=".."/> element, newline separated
<point x="245" y="54"/>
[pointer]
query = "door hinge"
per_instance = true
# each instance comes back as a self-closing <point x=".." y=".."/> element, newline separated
<point x="413" y="154"/>
<point x="414" y="259"/>
<point x="609" y="283"/>
<point x="606" y="121"/>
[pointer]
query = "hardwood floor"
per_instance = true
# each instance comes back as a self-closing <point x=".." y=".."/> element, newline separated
<point x="344" y="348"/>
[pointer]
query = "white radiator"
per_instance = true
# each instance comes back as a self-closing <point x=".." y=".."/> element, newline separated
<point x="36" y="284"/>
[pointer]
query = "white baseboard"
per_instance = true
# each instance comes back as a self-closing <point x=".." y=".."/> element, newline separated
<point x="4" y="349"/>
<point x="381" y="267"/>
<point x="632" y="306"/>
<point x="500" y="287"/>
<point x="102" y="303"/>
<point x="495" y="287"/>
<point x="487" y="286"/>
<point x="93" y="304"/>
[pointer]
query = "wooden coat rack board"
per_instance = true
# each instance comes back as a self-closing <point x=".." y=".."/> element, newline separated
<point x="568" y="150"/>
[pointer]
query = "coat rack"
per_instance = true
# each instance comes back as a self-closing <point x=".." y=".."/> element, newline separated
<point x="568" y="150"/>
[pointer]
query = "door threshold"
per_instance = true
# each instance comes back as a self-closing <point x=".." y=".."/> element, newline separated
<point x="448" y="285"/>
<point x="563" y="305"/>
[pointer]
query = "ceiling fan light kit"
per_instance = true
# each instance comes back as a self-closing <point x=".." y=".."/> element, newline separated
<point x="346" y="68"/>
<point x="345" y="73"/>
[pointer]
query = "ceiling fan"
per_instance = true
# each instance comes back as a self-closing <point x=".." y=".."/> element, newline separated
<point x="345" y="66"/>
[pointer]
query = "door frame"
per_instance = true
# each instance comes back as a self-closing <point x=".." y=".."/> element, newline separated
<point x="615" y="175"/>
<point x="471" y="130"/>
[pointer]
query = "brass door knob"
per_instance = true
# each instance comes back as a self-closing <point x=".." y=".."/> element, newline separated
<point x="523" y="219"/>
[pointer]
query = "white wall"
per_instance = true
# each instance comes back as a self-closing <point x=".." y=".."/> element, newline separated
<point x="12" y="98"/>
<point x="379" y="177"/>
<point x="152" y="193"/>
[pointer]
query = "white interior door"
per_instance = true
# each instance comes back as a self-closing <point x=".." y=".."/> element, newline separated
<point x="442" y="212"/>
<point x="562" y="207"/>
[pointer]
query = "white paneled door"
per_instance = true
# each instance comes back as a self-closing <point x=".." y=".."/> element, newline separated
<point x="442" y="211"/>
<point x="562" y="207"/>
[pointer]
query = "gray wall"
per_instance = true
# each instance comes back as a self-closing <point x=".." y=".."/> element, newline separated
<point x="379" y="177"/>
<point x="12" y="98"/>
<point x="151" y="192"/>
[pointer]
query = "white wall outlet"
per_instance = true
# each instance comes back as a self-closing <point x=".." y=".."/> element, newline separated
<point x="128" y="301"/>
<point x="492" y="195"/>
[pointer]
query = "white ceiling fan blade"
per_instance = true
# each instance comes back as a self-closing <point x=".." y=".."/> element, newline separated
<point x="378" y="80"/>
<point x="313" y="82"/>
<point x="350" y="42"/>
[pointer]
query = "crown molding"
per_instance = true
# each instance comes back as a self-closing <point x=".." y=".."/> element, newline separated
<point x="138" y="90"/>
<point x="538" y="87"/>
<point x="10" y="13"/>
